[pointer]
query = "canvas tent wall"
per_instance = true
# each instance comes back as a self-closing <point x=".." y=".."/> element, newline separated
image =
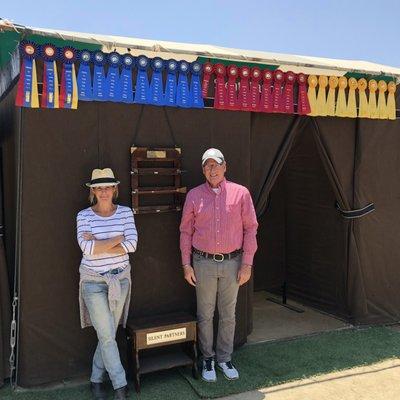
<point x="48" y="154"/>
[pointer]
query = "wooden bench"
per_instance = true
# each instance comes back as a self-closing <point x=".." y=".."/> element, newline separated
<point x="161" y="342"/>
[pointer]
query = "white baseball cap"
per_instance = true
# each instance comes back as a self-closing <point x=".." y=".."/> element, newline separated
<point x="214" y="154"/>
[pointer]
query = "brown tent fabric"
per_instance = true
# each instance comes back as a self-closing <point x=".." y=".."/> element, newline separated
<point x="60" y="148"/>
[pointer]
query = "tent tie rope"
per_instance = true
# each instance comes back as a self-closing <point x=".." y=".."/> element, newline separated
<point x="356" y="213"/>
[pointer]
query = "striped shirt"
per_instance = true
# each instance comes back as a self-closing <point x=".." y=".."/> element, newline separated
<point x="120" y="223"/>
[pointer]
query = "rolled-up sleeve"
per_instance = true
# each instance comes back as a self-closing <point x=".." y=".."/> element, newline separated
<point x="82" y="226"/>
<point x="187" y="228"/>
<point x="250" y="225"/>
<point x="130" y="234"/>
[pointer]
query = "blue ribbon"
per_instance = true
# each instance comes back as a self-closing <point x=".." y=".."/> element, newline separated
<point x="183" y="93"/>
<point x="113" y="77"/>
<point x="28" y="81"/>
<point x="84" y="80"/>
<point x="99" y="79"/>
<point x="156" y="85"/>
<point x="68" y="85"/>
<point x="49" y="68"/>
<point x="170" y="85"/>
<point x="195" y="86"/>
<point x="125" y="81"/>
<point x="142" y="81"/>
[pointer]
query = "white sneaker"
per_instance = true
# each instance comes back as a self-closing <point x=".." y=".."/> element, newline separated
<point x="230" y="372"/>
<point x="208" y="372"/>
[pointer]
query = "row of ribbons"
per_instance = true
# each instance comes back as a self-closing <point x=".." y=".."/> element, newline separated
<point x="252" y="89"/>
<point x="109" y="77"/>
<point x="94" y="82"/>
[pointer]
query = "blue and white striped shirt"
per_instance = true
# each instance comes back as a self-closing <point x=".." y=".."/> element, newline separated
<point x="120" y="223"/>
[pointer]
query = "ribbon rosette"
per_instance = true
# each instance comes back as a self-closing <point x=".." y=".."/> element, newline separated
<point x="85" y="90"/>
<point x="99" y="78"/>
<point x="113" y="89"/>
<point x="231" y="90"/>
<point x="183" y="94"/>
<point x="125" y="82"/>
<point x="195" y="85"/>
<point x="69" y="87"/>
<point x="50" y="90"/>
<point x="156" y="84"/>
<point x="142" y="81"/>
<point x="27" y="91"/>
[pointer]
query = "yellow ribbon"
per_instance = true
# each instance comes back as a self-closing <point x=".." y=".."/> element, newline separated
<point x="391" y="102"/>
<point x="382" y="109"/>
<point x="363" y="106"/>
<point x="372" y="86"/>
<point x="311" y="94"/>
<point x="341" y="106"/>
<point x="321" y="97"/>
<point x="330" y="101"/>
<point x="351" y="101"/>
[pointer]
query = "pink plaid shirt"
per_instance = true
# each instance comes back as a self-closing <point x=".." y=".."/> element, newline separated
<point x="219" y="223"/>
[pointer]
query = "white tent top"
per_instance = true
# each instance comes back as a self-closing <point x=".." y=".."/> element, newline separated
<point x="188" y="51"/>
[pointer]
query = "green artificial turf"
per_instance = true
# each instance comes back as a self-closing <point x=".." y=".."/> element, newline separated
<point x="260" y="365"/>
<point x="269" y="364"/>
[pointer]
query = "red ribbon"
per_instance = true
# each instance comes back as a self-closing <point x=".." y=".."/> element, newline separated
<point x="232" y="101"/>
<point x="244" y="91"/>
<point x="208" y="69"/>
<point x="255" y="88"/>
<point x="287" y="98"/>
<point x="220" y="89"/>
<point x="303" y="105"/>
<point x="279" y="78"/>
<point x="266" y="93"/>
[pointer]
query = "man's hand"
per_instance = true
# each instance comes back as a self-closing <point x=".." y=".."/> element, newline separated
<point x="244" y="274"/>
<point x="189" y="275"/>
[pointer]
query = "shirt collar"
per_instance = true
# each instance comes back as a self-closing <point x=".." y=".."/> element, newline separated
<point x="222" y="186"/>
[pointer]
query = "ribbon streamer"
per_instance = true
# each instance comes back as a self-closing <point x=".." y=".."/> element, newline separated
<point x="382" y="109"/>
<point x="363" y="107"/>
<point x="85" y="89"/>
<point x="322" y="109"/>
<point x="312" y="94"/>
<point x="183" y="98"/>
<point x="50" y="92"/>
<point x="288" y="91"/>
<point x="69" y="87"/>
<point x="142" y="81"/>
<point x="195" y="85"/>
<point x="244" y="90"/>
<point x="373" y="110"/>
<point x="303" y="104"/>
<point x="331" y="98"/>
<point x="125" y="81"/>
<point x="156" y="84"/>
<point x="391" y="102"/>
<point x="279" y="78"/>
<point x="231" y="89"/>
<point x="220" y="90"/>
<point x="207" y="72"/>
<point x="351" y="100"/>
<point x="341" y="104"/>
<point x="170" y="85"/>
<point x="266" y="102"/>
<point x="99" y="78"/>
<point x="255" y="88"/>
<point x="27" y="91"/>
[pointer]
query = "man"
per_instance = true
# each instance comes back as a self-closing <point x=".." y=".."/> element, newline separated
<point x="218" y="229"/>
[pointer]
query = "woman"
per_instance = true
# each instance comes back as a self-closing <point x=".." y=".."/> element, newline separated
<point x="106" y="233"/>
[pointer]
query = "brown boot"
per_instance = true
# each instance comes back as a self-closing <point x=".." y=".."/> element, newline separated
<point x="98" y="391"/>
<point x="121" y="393"/>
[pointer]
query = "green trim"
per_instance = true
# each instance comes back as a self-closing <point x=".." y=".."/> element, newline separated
<point x="368" y="77"/>
<point x="238" y="63"/>
<point x="9" y="41"/>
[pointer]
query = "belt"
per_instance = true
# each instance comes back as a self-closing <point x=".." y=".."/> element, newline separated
<point x="218" y="257"/>
<point x="114" y="271"/>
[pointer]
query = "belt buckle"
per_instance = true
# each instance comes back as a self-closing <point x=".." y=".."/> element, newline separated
<point x="218" y="259"/>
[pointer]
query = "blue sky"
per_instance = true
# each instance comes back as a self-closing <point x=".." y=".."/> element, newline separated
<point x="353" y="29"/>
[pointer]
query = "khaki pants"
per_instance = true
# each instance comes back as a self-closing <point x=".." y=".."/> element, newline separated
<point x="216" y="282"/>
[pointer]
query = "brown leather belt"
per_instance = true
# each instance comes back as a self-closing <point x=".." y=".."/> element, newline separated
<point x="218" y="257"/>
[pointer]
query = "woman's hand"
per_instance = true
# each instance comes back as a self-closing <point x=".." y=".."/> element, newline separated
<point x="88" y="236"/>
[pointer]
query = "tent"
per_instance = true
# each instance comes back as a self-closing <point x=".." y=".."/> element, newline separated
<point x="325" y="188"/>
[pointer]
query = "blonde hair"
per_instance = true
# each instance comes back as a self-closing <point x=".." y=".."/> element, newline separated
<point x="93" y="199"/>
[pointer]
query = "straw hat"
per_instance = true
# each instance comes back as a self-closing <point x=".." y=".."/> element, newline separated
<point x="102" y="177"/>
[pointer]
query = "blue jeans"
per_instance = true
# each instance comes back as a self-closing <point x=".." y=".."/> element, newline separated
<point x="105" y="322"/>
